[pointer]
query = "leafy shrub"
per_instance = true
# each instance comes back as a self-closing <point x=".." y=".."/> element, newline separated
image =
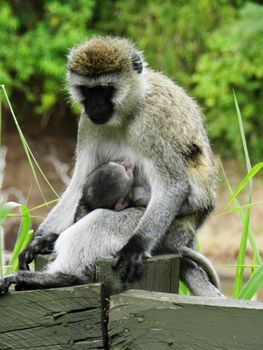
<point x="35" y="38"/>
<point x="209" y="47"/>
<point x="233" y="61"/>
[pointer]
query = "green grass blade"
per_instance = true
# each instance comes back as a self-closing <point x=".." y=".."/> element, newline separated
<point x="240" y="212"/>
<point x="42" y="173"/>
<point x="243" y="244"/>
<point x="6" y="209"/>
<point x="243" y="137"/>
<point x="241" y="256"/>
<point x="233" y="210"/>
<point x="23" y="141"/>
<point x="183" y="290"/>
<point x="15" y="265"/>
<point x="27" y="150"/>
<point x="53" y="201"/>
<point x="252" y="285"/>
<point x="246" y="180"/>
<point x="23" y="233"/>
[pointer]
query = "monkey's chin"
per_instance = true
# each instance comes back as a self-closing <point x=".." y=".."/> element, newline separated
<point x="111" y="121"/>
<point x="99" y="120"/>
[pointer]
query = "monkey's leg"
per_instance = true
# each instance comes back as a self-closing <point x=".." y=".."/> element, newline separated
<point x="62" y="215"/>
<point x="179" y="236"/>
<point x="38" y="280"/>
<point x="159" y="214"/>
<point x="197" y="280"/>
<point x="99" y="234"/>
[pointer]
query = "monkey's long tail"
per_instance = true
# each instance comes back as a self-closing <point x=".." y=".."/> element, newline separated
<point x="196" y="280"/>
<point x="204" y="262"/>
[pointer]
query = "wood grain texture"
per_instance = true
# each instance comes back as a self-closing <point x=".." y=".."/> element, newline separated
<point x="62" y="318"/>
<point x="148" y="320"/>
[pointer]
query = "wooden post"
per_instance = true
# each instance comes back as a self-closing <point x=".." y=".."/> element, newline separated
<point x="160" y="274"/>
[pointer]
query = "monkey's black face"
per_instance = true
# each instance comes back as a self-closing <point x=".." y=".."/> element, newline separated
<point x="98" y="102"/>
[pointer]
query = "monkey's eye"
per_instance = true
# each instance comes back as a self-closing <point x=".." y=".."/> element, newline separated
<point x="104" y="92"/>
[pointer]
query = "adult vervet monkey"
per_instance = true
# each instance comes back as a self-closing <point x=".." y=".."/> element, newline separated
<point x="131" y="112"/>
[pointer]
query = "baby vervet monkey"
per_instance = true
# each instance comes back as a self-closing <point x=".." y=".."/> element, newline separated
<point x="110" y="186"/>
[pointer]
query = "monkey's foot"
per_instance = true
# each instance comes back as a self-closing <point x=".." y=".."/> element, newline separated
<point x="5" y="284"/>
<point x="39" y="245"/>
<point x="130" y="259"/>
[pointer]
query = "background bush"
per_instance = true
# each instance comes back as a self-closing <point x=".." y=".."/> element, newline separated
<point x="210" y="47"/>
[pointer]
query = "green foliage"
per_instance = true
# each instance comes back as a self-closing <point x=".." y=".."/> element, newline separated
<point x="172" y="33"/>
<point x="209" y="47"/>
<point x="234" y="61"/>
<point x="35" y="38"/>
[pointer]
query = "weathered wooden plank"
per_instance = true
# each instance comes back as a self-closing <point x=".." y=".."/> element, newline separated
<point x="160" y="273"/>
<point x="76" y="346"/>
<point x="148" y="320"/>
<point x="62" y="318"/>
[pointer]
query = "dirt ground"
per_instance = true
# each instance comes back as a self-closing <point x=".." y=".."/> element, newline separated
<point x="219" y="237"/>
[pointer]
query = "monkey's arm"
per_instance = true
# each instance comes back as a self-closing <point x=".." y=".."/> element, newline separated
<point x="166" y="199"/>
<point x="142" y="195"/>
<point x="62" y="215"/>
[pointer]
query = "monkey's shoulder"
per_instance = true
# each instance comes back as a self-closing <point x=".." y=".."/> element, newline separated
<point x="164" y="93"/>
<point x="169" y="112"/>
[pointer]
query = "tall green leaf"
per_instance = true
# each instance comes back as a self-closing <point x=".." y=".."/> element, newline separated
<point x="240" y="212"/>
<point x="256" y="168"/>
<point x="243" y="244"/>
<point x="5" y="211"/>
<point x="252" y="285"/>
<point x="30" y="157"/>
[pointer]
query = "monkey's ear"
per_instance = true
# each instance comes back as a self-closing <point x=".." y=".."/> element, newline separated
<point x="136" y="62"/>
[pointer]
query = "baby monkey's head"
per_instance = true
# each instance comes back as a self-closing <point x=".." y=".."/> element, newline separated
<point x="109" y="186"/>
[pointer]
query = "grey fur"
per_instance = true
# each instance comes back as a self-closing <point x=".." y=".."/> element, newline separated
<point x="157" y="126"/>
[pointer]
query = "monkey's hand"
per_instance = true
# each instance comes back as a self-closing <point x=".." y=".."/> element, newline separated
<point x="130" y="258"/>
<point x="40" y="244"/>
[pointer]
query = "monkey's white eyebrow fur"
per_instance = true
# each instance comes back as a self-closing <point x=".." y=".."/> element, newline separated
<point x="106" y="79"/>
